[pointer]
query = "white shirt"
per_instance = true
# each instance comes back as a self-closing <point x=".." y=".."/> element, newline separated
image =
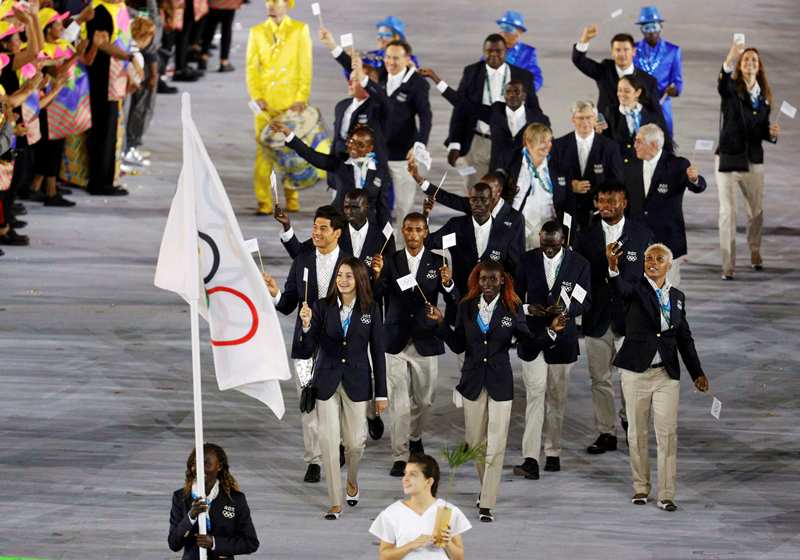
<point x="624" y="71"/>
<point x="516" y="119"/>
<point x="482" y="235"/>
<point x="348" y="116"/>
<point x="613" y="232"/>
<point x="357" y="238"/>
<point x="497" y="81"/>
<point x="360" y="168"/>
<point x="584" y="147"/>
<point x="498" y="207"/>
<point x="551" y="267"/>
<point x="629" y="116"/>
<point x="399" y="524"/>
<point x="325" y="267"/>
<point x="486" y="310"/>
<point x="539" y="207"/>
<point x="648" y="168"/>
<point x="413" y="262"/>
<point x="394" y="82"/>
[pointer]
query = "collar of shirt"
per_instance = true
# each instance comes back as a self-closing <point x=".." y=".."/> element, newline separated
<point x="755" y="91"/>
<point x="332" y="256"/>
<point x="613" y="232"/>
<point x="629" y="111"/>
<point x="662" y="296"/>
<point x="585" y="142"/>
<point x="650" y="164"/>
<point x="484" y="227"/>
<point x="356" y="103"/>
<point x="345" y="310"/>
<point x="663" y="290"/>
<point x="413" y="262"/>
<point x="497" y="207"/>
<point x="360" y="161"/>
<point x="487" y="309"/>
<point x="500" y="71"/>
<point x="555" y="262"/>
<point x="624" y="71"/>
<point x="357" y="237"/>
<point x="516" y="119"/>
<point x="542" y="170"/>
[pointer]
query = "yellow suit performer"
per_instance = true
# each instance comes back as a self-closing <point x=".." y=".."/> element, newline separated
<point x="279" y="67"/>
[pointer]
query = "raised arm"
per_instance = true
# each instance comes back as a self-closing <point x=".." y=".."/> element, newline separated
<point x="586" y="65"/>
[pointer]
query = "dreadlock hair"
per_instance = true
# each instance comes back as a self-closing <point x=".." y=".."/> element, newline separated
<point x="226" y="480"/>
<point x="508" y="295"/>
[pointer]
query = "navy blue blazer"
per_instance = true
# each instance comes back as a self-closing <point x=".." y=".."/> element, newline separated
<point x="294" y="289"/>
<point x="471" y="87"/>
<point x="607" y="309"/>
<point x="619" y="132"/>
<point x="486" y="361"/>
<point x="604" y="74"/>
<point x="603" y="166"/>
<point x="372" y="244"/>
<point x="662" y="208"/>
<point x="369" y="113"/>
<point x="530" y="284"/>
<point x="557" y="177"/>
<point x="644" y="335"/>
<point x="345" y="358"/>
<point x="742" y="126"/>
<point x="231" y="526"/>
<point x="377" y="183"/>
<point x="409" y="102"/>
<point x="406" y="318"/>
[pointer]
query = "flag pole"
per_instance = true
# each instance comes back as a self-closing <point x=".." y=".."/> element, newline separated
<point x="197" y="394"/>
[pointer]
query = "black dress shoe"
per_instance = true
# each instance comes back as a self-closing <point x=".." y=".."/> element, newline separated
<point x="485" y="515"/>
<point x="605" y="442"/>
<point x="36" y="196"/>
<point x="416" y="447"/>
<point x="63" y="190"/>
<point x="398" y="468"/>
<point x="185" y="76"/>
<point x="202" y="64"/>
<point x="529" y="469"/>
<point x="342" y="459"/>
<point x="375" y="427"/>
<point x="312" y="473"/>
<point x="58" y="200"/>
<point x="164" y="87"/>
<point x="109" y="191"/>
<point x="2" y="253"/>
<point x="15" y="239"/>
<point x="552" y="464"/>
<point x="226" y="68"/>
<point x="19" y="209"/>
<point x="18" y="224"/>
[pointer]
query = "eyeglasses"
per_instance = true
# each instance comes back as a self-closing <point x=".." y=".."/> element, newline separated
<point x="385" y="35"/>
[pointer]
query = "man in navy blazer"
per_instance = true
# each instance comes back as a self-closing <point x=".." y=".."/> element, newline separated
<point x="412" y="348"/>
<point x="657" y="331"/>
<point x="656" y="182"/>
<point x="588" y="160"/>
<point x="359" y="108"/>
<point x="604" y="323"/>
<point x="483" y="83"/>
<point x="551" y="280"/>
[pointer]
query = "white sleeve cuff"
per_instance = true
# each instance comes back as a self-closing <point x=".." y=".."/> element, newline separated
<point x="582" y="47"/>
<point x="381" y="398"/>
<point x="306" y="329"/>
<point x="442" y="86"/>
<point x="337" y="50"/>
<point x="277" y="298"/>
<point x="727" y="69"/>
<point x="421" y="145"/>
<point x="425" y="186"/>
<point x="289" y="138"/>
<point x="287" y="235"/>
<point x="449" y="288"/>
<point x="454" y="146"/>
<point x="612" y="274"/>
<point x="525" y="308"/>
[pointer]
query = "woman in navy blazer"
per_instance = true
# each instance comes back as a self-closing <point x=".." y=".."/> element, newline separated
<point x="633" y="101"/>
<point x="489" y="317"/>
<point x="345" y="330"/>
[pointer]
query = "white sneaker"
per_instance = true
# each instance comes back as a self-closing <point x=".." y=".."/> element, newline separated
<point x="144" y="153"/>
<point x="139" y="157"/>
<point x="130" y="157"/>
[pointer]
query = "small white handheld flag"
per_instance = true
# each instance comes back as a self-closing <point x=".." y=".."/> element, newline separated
<point x="251" y="245"/>
<point x="254" y="107"/>
<point x="616" y="13"/>
<point x="387" y="230"/>
<point x="567" y="220"/>
<point x="406" y="282"/>
<point x="273" y="181"/>
<point x="468" y="170"/>
<point x="305" y="275"/>
<point x="716" y="408"/>
<point x="579" y="293"/>
<point x="703" y="145"/>
<point x="788" y="110"/>
<point x="315" y="9"/>
<point x="346" y="40"/>
<point x="449" y="240"/>
<point x="422" y="156"/>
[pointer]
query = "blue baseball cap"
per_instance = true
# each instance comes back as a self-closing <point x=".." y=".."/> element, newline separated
<point x="513" y="18"/>
<point x="649" y="14"/>
<point x="395" y="24"/>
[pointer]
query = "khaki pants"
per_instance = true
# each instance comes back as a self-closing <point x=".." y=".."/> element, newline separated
<point x="600" y="352"/>
<point x="486" y="423"/>
<point x="751" y="183"/>
<point x="545" y="399"/>
<point x="405" y="187"/>
<point x="654" y="390"/>
<point x="341" y="420"/>
<point x="312" y="454"/>
<point x="479" y="156"/>
<point x="411" y="383"/>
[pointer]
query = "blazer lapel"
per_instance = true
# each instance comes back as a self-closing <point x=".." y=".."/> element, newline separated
<point x="313" y="289"/>
<point x="654" y="308"/>
<point x="472" y="243"/>
<point x="657" y="172"/>
<point x="497" y="314"/>
<point x="565" y="262"/>
<point x="572" y="155"/>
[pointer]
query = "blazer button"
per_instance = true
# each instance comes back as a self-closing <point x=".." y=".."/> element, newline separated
<point x="626" y="160"/>
<point x="344" y="343"/>
<point x="344" y="360"/>
<point x="486" y="342"/>
<point x="412" y="315"/>
<point x="645" y="212"/>
<point x="485" y="359"/>
<point x="658" y="335"/>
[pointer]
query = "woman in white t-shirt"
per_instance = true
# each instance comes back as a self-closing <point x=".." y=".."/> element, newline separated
<point x="406" y="527"/>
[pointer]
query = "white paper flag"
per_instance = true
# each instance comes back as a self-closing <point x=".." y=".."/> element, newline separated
<point x="468" y="170"/>
<point x="406" y="282"/>
<point x="305" y="275"/>
<point x="716" y="408"/>
<point x="616" y="13"/>
<point x="346" y="40"/>
<point x="578" y="293"/>
<point x="738" y="38"/>
<point x="422" y="156"/>
<point x="449" y="240"/>
<point x="315" y="9"/>
<point x="567" y="220"/>
<point x="703" y="145"/>
<point x="788" y="110"/>
<point x="387" y="230"/>
<point x="254" y="107"/>
<point x="251" y="245"/>
<point x="273" y="181"/>
<point x="565" y="297"/>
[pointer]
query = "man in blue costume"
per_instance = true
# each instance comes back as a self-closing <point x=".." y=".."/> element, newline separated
<point x="660" y="59"/>
<point x="512" y="26"/>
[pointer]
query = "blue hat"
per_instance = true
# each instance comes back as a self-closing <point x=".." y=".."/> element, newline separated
<point x="394" y="24"/>
<point x="513" y="18"/>
<point x="649" y="14"/>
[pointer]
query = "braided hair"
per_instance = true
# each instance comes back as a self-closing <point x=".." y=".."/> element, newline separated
<point x="226" y="480"/>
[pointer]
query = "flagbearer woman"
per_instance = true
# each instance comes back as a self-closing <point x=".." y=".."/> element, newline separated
<point x="345" y="331"/>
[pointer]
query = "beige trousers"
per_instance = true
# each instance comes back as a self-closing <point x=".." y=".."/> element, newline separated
<point x="751" y="183"/>
<point x="405" y="187"/>
<point x="479" y="156"/>
<point x="600" y="352"/>
<point x="654" y="390"/>
<point x="545" y="400"/>
<point x="303" y="370"/>
<point x="486" y="423"/>
<point x="411" y="384"/>
<point x="341" y="420"/>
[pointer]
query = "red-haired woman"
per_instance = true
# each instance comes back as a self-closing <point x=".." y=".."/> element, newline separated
<point x="488" y="318"/>
<point x="744" y="124"/>
<point x="229" y="529"/>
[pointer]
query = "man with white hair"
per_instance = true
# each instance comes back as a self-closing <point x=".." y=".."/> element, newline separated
<point x="588" y="160"/>
<point x="657" y="331"/>
<point x="656" y="181"/>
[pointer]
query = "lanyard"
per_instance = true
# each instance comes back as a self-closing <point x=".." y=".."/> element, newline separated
<point x="545" y="182"/>
<point x="346" y="321"/>
<point x="502" y="87"/>
<point x="363" y="169"/>
<point x="666" y="308"/>
<point x="481" y="325"/>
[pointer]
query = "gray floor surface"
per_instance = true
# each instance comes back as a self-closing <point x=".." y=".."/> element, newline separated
<point x="96" y="412"/>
